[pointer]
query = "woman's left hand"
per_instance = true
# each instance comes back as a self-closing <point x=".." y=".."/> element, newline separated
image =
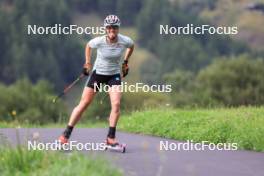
<point x="125" y="69"/>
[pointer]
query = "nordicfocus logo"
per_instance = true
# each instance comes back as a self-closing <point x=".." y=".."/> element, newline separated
<point x="68" y="146"/>
<point x="138" y="87"/>
<point x="199" y="30"/>
<point x="191" y="146"/>
<point x="58" y="29"/>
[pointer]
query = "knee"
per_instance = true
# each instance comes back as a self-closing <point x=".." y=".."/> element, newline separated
<point x="116" y="107"/>
<point x="83" y="104"/>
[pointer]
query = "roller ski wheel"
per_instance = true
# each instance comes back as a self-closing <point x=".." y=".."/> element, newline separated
<point x="115" y="147"/>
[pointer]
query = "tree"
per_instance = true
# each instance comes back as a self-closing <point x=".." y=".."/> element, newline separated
<point x="56" y="58"/>
<point x="178" y="51"/>
<point x="128" y="10"/>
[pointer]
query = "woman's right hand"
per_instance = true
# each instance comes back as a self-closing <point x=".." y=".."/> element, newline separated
<point x="86" y="68"/>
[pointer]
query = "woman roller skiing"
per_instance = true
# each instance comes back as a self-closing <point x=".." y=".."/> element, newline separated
<point x="106" y="70"/>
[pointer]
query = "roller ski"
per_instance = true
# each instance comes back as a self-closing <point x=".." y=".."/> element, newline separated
<point x="115" y="146"/>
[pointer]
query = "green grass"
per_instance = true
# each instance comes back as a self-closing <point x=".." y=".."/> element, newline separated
<point x="21" y="162"/>
<point x="244" y="125"/>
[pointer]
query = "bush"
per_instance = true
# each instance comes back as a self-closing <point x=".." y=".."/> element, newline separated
<point x="233" y="81"/>
<point x="226" y="82"/>
<point x="25" y="102"/>
<point x="182" y="87"/>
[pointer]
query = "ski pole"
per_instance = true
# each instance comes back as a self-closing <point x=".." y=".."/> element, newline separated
<point x="68" y="88"/>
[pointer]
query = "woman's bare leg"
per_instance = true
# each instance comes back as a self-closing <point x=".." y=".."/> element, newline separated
<point x="115" y="98"/>
<point x="87" y="97"/>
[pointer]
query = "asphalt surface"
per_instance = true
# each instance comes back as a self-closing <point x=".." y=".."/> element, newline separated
<point x="144" y="157"/>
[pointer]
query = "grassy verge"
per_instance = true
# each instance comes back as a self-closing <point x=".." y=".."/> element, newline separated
<point x="244" y="125"/>
<point x="20" y="161"/>
<point x="85" y="124"/>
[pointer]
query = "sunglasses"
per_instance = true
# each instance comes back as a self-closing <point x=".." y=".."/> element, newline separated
<point x="112" y="27"/>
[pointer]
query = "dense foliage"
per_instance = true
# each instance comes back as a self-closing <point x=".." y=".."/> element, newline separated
<point x="27" y="103"/>
<point x="56" y="58"/>
<point x="227" y="81"/>
<point x="188" y="52"/>
<point x="185" y="61"/>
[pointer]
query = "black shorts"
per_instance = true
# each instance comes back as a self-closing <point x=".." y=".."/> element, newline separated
<point x="97" y="79"/>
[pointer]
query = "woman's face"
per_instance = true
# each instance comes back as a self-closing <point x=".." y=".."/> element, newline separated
<point x="112" y="32"/>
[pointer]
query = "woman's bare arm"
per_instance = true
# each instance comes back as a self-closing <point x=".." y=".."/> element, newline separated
<point x="128" y="53"/>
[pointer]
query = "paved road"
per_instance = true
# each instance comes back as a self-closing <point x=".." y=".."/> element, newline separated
<point x="143" y="157"/>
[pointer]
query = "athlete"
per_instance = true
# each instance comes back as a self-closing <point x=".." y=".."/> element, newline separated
<point x="106" y="70"/>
